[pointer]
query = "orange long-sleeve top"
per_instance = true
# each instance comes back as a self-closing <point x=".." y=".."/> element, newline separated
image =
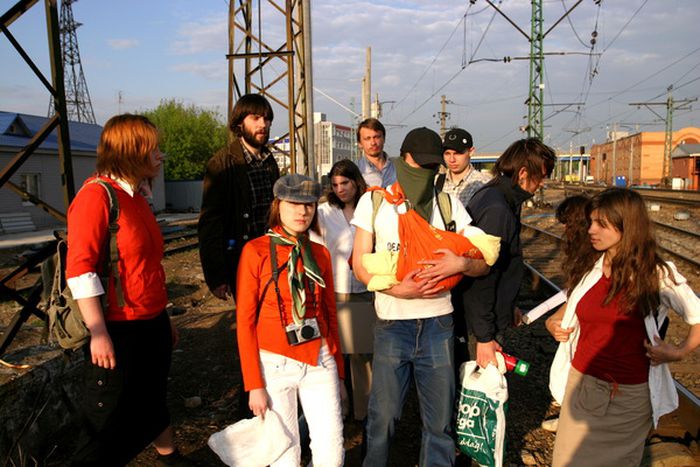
<point x="266" y="331"/>
<point x="140" y="246"/>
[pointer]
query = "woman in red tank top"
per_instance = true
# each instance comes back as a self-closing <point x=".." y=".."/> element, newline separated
<point x="610" y="372"/>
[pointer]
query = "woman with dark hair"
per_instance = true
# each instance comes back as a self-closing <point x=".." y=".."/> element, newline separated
<point x="576" y="244"/>
<point x="610" y="373"/>
<point x="128" y="357"/>
<point x="489" y="300"/>
<point x="338" y="235"/>
<point x="287" y="326"/>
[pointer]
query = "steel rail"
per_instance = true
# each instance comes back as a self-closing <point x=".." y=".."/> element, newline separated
<point x="676" y="229"/>
<point x="661" y="247"/>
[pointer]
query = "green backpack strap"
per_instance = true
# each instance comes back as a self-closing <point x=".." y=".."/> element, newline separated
<point x="112" y="261"/>
<point x="445" y="207"/>
<point x="377" y="197"/>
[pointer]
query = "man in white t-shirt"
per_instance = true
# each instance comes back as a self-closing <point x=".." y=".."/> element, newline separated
<point x="414" y="332"/>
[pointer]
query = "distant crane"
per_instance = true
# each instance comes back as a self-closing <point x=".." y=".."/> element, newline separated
<point x="78" y="101"/>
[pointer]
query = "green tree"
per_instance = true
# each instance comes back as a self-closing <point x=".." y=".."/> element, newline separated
<point x="189" y="136"/>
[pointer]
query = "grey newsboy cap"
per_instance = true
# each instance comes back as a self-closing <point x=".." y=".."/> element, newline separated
<point x="297" y="189"/>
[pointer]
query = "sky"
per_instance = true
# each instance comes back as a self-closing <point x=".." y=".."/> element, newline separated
<point x="151" y="50"/>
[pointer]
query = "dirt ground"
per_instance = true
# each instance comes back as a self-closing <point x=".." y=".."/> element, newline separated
<point x="204" y="388"/>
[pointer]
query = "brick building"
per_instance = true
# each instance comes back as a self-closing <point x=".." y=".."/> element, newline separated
<point x="685" y="165"/>
<point x="638" y="158"/>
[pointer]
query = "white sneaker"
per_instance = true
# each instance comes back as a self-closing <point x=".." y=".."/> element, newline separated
<point x="551" y="425"/>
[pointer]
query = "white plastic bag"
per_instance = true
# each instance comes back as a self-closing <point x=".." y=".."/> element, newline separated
<point x="481" y="412"/>
<point x="252" y="442"/>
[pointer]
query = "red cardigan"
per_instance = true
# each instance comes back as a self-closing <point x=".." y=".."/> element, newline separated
<point x="140" y="245"/>
<point x="266" y="332"/>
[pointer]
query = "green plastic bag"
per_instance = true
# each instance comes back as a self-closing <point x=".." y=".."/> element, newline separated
<point x="481" y="408"/>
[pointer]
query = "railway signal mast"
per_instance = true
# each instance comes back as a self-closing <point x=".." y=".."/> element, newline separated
<point x="78" y="100"/>
<point x="535" y="99"/>
<point x="671" y="105"/>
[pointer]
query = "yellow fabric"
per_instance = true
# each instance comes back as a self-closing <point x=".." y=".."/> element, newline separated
<point x="488" y="245"/>
<point x="381" y="282"/>
<point x="382" y="265"/>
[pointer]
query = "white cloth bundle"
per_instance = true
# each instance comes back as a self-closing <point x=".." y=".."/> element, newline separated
<point x="252" y="442"/>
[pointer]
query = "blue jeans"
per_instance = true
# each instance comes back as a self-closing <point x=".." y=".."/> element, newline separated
<point x="422" y="348"/>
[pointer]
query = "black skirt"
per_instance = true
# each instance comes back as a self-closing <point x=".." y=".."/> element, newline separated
<point x="125" y="409"/>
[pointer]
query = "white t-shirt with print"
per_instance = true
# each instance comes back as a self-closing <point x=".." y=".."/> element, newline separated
<point x="387" y="238"/>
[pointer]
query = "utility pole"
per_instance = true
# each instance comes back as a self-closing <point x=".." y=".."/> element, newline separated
<point x="443" y="115"/>
<point x="671" y="105"/>
<point x="614" y="154"/>
<point x="367" y="86"/>
<point x="78" y="100"/>
<point x="630" y="174"/>
<point x="254" y="67"/>
<point x="535" y="99"/>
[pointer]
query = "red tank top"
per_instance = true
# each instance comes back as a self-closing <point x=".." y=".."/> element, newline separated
<point x="611" y="343"/>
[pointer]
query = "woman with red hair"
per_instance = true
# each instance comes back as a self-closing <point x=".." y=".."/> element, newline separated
<point x="129" y="353"/>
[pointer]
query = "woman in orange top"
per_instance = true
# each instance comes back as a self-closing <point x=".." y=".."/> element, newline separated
<point x="124" y="401"/>
<point x="287" y="325"/>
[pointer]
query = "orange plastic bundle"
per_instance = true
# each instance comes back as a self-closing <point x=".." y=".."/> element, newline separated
<point x="419" y="240"/>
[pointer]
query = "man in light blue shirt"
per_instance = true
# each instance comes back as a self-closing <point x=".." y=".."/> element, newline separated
<point x="376" y="167"/>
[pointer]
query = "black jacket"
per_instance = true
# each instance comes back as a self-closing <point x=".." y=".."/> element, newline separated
<point x="226" y="208"/>
<point x="489" y="301"/>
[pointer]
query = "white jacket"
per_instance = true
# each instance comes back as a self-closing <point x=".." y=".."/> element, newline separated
<point x="678" y="297"/>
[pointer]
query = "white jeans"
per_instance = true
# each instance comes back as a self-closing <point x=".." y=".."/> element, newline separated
<point x="317" y="387"/>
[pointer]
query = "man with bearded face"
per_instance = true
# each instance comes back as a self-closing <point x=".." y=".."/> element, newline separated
<point x="237" y="194"/>
<point x="236" y="199"/>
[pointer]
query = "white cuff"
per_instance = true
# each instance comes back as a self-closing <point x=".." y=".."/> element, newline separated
<point x="85" y="286"/>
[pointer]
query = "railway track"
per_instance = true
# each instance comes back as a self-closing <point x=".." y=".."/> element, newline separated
<point x="679" y="243"/>
<point x="543" y="259"/>
<point x="688" y="198"/>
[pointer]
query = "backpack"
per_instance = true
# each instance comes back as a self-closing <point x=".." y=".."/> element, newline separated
<point x="66" y="324"/>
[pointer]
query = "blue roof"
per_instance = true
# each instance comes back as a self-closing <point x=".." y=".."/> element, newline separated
<point x="83" y="136"/>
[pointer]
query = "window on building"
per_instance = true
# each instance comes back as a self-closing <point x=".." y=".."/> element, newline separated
<point x="31" y="183"/>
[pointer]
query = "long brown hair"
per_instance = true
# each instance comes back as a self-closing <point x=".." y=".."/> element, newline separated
<point x="635" y="266"/>
<point x="125" y="148"/>
<point x="250" y="104"/>
<point x="576" y="246"/>
<point x="346" y="168"/>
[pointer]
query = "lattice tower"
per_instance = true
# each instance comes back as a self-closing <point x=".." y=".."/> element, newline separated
<point x="77" y="95"/>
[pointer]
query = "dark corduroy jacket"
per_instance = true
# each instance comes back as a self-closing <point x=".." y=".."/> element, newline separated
<point x="226" y="210"/>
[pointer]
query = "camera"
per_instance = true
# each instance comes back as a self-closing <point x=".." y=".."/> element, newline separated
<point x="300" y="333"/>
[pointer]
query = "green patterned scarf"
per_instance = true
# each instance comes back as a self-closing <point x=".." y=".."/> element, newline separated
<point x="301" y="248"/>
<point x="418" y="184"/>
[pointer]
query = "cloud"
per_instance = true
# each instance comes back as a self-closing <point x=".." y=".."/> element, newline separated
<point x="205" y="35"/>
<point x="122" y="44"/>
<point x="214" y="71"/>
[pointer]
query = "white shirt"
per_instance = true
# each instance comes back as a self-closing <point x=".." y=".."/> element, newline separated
<point x="678" y="297"/>
<point x="338" y="236"/>
<point x="387" y="238"/>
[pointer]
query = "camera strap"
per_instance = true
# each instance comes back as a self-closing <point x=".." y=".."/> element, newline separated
<point x="275" y="280"/>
